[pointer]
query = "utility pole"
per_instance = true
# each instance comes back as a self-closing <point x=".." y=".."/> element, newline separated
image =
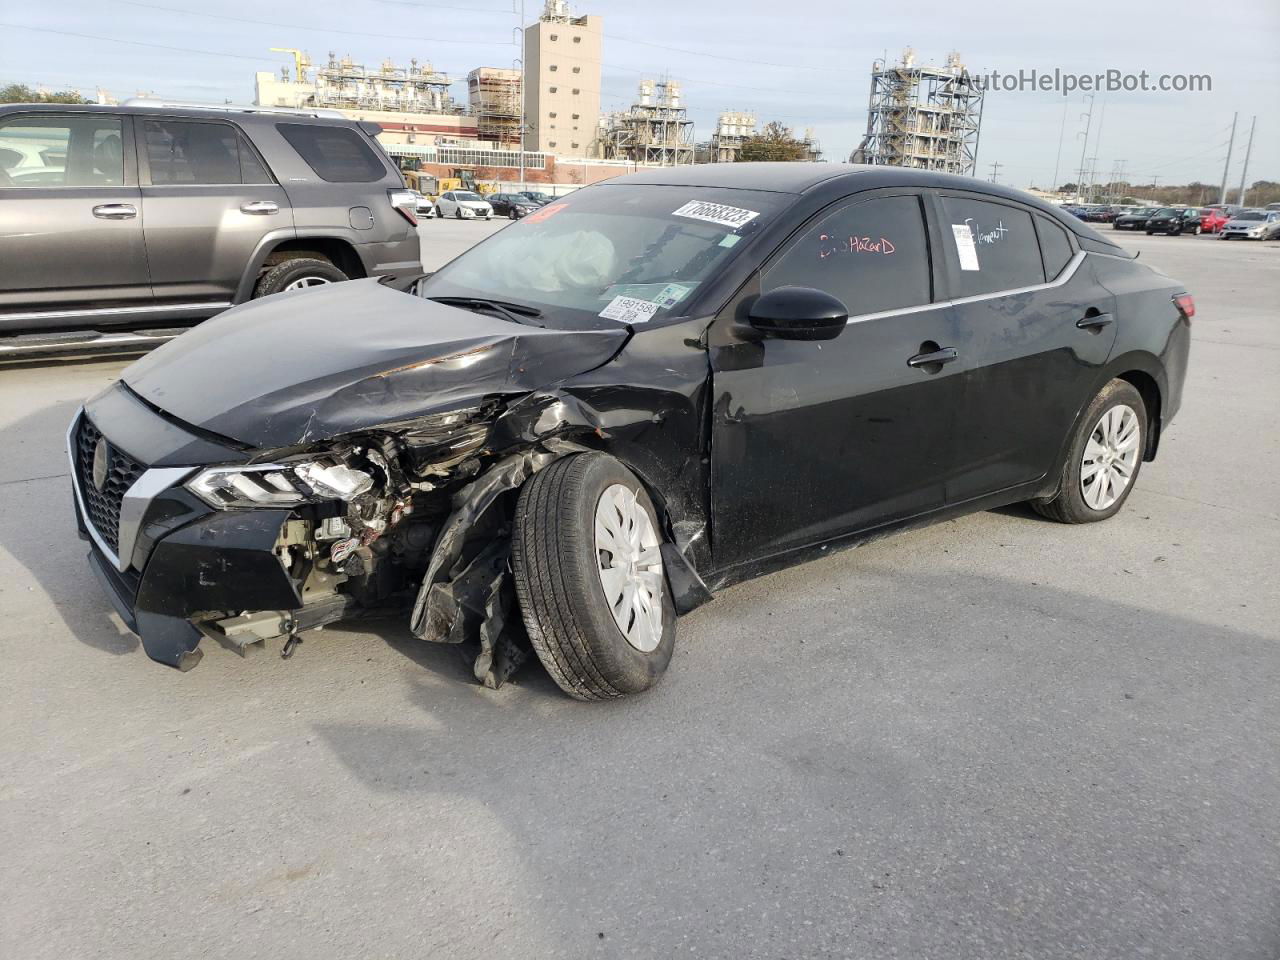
<point x="524" y="86"/>
<point x="1084" y="147"/>
<point x="1247" y="150"/>
<point x="1227" y="166"/>
<point x="1062" y="131"/>
<point x="995" y="169"/>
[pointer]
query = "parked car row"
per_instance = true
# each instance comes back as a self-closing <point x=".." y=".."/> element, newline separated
<point x="469" y="205"/>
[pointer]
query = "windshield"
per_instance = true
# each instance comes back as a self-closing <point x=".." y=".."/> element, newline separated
<point x="465" y="195"/>
<point x="1249" y="216"/>
<point x="609" y="254"/>
<point x="1166" y="212"/>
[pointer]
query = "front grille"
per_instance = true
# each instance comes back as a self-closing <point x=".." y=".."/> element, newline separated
<point x="102" y="507"/>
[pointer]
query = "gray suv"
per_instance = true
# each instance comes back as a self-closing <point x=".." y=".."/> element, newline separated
<point x="156" y="215"/>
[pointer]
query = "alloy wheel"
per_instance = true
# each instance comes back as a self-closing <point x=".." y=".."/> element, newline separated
<point x="1110" y="457"/>
<point x="303" y="282"/>
<point x="630" y="565"/>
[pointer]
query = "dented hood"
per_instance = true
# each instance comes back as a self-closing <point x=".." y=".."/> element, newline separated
<point x="302" y="367"/>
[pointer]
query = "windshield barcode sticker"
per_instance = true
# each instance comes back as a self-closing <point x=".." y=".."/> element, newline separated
<point x="718" y="213"/>
<point x="629" y="310"/>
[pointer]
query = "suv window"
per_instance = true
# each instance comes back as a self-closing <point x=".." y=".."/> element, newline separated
<point x="1055" y="247"/>
<point x="990" y="247"/>
<point x="336" y="154"/>
<point x="200" y="152"/>
<point x="871" y="254"/>
<point x="51" y="151"/>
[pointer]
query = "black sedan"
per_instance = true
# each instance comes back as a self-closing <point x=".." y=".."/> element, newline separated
<point x="1175" y="221"/>
<point x="512" y="205"/>
<point x="643" y="392"/>
<point x="1134" y="220"/>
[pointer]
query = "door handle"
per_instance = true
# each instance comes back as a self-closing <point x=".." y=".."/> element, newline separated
<point x="935" y="358"/>
<point x="1096" y="322"/>
<point x="260" y="207"/>
<point x="115" y="211"/>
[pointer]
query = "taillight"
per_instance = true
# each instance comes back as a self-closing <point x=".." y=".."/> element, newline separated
<point x="1186" y="305"/>
<point x="405" y="203"/>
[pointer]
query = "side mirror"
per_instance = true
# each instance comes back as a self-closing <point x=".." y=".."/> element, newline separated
<point x="798" y="313"/>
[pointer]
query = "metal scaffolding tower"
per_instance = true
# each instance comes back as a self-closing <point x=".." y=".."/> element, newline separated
<point x="494" y="98"/>
<point x="655" y="130"/>
<point x="926" y="117"/>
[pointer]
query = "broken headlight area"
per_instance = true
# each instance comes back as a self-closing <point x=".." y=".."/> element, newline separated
<point x="364" y="527"/>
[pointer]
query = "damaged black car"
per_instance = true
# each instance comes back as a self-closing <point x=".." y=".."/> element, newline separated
<point x="640" y="393"/>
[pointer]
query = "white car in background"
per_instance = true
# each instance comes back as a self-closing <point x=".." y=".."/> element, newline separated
<point x="464" y="205"/>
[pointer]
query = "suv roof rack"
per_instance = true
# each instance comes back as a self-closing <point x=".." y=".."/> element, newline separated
<point x="160" y="103"/>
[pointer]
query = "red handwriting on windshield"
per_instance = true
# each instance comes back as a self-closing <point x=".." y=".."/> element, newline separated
<point x="873" y="245"/>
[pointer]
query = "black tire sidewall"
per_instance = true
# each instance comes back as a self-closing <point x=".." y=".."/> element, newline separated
<point x="623" y="665"/>
<point x="1115" y="393"/>
<point x="288" y="271"/>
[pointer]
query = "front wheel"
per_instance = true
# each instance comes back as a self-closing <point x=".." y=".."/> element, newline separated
<point x="1150" y="232"/>
<point x="1195" y="232"/>
<point x="1104" y="459"/>
<point x="586" y="555"/>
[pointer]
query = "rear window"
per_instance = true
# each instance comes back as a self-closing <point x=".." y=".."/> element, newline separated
<point x="336" y="154"/>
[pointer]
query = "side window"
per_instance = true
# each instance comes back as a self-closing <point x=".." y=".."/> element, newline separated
<point x="336" y="154"/>
<point x="1055" y="248"/>
<point x="251" y="168"/>
<point x="872" y="254"/>
<point x="51" y="151"/>
<point x="990" y="247"/>
<point x="190" y="152"/>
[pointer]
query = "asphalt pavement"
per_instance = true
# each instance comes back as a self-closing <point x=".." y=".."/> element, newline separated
<point x="996" y="737"/>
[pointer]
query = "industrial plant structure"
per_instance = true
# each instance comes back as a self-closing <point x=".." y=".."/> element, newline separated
<point x="343" y="84"/>
<point x="493" y="95"/>
<point x="733" y="127"/>
<point x="656" y="130"/>
<point x="922" y="116"/>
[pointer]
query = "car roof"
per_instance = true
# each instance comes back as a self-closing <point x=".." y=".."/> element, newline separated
<point x="242" y="115"/>
<point x="801" y="177"/>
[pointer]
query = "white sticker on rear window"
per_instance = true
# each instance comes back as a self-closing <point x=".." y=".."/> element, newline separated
<point x="718" y="213"/>
<point x="965" y="247"/>
<point x="630" y="310"/>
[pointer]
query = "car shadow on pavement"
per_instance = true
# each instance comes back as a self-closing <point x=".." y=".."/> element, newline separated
<point x="863" y="762"/>
<point x="38" y="530"/>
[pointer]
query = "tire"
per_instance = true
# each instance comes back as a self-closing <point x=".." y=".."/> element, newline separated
<point x="1070" y="504"/>
<point x="1195" y="232"/>
<point x="288" y="272"/>
<point x="511" y="215"/>
<point x="457" y="214"/>
<point x="557" y="565"/>
<point x="1150" y="232"/>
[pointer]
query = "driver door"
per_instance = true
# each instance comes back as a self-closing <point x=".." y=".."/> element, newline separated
<point x="815" y="440"/>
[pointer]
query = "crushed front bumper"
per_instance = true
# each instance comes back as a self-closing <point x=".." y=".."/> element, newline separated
<point x="162" y="556"/>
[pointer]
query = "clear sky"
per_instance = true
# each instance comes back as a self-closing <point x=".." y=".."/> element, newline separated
<point x="804" y="62"/>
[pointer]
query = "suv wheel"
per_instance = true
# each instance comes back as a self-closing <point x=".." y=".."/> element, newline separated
<point x="297" y="274"/>
<point x="586" y="554"/>
<point x="1105" y="457"/>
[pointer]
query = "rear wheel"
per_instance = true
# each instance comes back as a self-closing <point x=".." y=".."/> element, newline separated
<point x="297" y="274"/>
<point x="1195" y="231"/>
<point x="587" y="561"/>
<point x="1104" y="460"/>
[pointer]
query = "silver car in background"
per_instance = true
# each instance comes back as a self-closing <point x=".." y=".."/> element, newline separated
<point x="1252" y="225"/>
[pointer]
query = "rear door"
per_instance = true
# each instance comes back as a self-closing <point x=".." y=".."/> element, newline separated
<point x="1038" y="325"/>
<point x="70" y="221"/>
<point x="208" y="200"/>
